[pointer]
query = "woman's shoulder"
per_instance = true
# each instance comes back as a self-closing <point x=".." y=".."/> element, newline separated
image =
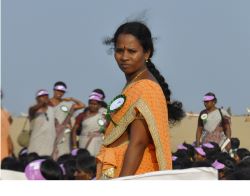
<point x="146" y="89"/>
<point x="102" y="110"/>
<point x="224" y="112"/>
<point x="146" y="85"/>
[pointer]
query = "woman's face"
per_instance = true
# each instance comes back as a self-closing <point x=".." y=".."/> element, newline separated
<point x="94" y="106"/>
<point x="43" y="99"/>
<point x="129" y="54"/>
<point x="58" y="94"/>
<point x="209" y="104"/>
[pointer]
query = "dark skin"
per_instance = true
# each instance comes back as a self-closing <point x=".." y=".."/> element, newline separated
<point x="211" y="106"/>
<point x="10" y="143"/>
<point x="83" y="175"/>
<point x="139" y="139"/>
<point x="41" y="106"/>
<point x="131" y="57"/>
<point x="58" y="98"/>
<point x="93" y="109"/>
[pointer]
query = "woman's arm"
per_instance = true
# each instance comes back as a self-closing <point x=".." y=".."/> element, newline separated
<point x="35" y="108"/>
<point x="228" y="131"/>
<point x="10" y="145"/>
<point x="228" y="135"/>
<point x="78" y="104"/>
<point x="139" y="139"/>
<point x="73" y="132"/>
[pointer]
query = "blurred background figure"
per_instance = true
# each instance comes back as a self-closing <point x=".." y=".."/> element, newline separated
<point x="6" y="142"/>
<point x="42" y="124"/>
<point x="57" y="101"/>
<point x="91" y="124"/>
<point x="213" y="123"/>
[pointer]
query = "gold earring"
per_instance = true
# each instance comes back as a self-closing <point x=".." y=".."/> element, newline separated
<point x="146" y="60"/>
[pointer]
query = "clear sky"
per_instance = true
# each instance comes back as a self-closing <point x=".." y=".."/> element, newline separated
<point x="201" y="46"/>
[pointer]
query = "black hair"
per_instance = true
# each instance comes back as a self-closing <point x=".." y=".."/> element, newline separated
<point x="242" y="152"/>
<point x="212" y="94"/>
<point x="241" y="174"/>
<point x="235" y="143"/>
<point x="11" y="163"/>
<point x="32" y="157"/>
<point x="87" y="164"/>
<point x="50" y="170"/>
<point x="212" y="152"/>
<point x="100" y="91"/>
<point x="70" y="169"/>
<point x="60" y="83"/>
<point x="182" y="163"/>
<point x="190" y="150"/>
<point x="143" y="34"/>
<point x="228" y="161"/>
<point x="203" y="163"/>
<point x="22" y="156"/>
<point x="69" y="164"/>
<point x="245" y="163"/>
<point x="182" y="153"/>
<point x="83" y="153"/>
<point x="63" y="158"/>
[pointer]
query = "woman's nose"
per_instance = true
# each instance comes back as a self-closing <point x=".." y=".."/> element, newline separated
<point x="124" y="56"/>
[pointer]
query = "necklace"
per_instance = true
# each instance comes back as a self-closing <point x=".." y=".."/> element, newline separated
<point x="134" y="79"/>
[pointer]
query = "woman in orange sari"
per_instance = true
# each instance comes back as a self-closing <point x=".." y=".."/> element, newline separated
<point x="6" y="141"/>
<point x="137" y="137"/>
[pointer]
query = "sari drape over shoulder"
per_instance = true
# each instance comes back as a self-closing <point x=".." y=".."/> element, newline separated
<point x="65" y="144"/>
<point x="144" y="97"/>
<point x="90" y="137"/>
<point x="213" y="128"/>
<point x="43" y="133"/>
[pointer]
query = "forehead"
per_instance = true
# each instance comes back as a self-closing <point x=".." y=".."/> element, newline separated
<point x="211" y="101"/>
<point x="61" y="91"/>
<point x="93" y="102"/>
<point x="127" y="40"/>
<point x="43" y="97"/>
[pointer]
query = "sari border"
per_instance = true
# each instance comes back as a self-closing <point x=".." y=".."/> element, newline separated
<point x="128" y="117"/>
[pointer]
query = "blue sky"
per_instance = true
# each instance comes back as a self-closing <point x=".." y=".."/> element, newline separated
<point x="201" y="46"/>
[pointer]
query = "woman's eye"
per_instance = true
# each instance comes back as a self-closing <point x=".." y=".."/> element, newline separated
<point x="132" y="51"/>
<point x="118" y="50"/>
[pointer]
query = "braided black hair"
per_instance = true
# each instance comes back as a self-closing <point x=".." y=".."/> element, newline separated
<point x="143" y="34"/>
<point x="175" y="111"/>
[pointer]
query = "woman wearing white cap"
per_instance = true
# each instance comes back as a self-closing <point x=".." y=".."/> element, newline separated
<point x="92" y="125"/>
<point x="42" y="124"/>
<point x="213" y="124"/>
<point x="57" y="101"/>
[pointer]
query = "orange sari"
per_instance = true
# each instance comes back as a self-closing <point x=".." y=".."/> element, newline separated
<point x="5" y="126"/>
<point x="144" y="97"/>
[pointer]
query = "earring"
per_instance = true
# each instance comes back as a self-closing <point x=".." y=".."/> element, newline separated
<point x="146" y="60"/>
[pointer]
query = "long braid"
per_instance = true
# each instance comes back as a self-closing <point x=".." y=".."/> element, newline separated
<point x="175" y="111"/>
<point x="143" y="34"/>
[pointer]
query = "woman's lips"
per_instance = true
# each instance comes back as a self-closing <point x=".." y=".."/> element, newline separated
<point x="125" y="66"/>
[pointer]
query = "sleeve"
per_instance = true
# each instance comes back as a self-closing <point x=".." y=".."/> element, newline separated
<point x="200" y="122"/>
<point x="79" y="118"/>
